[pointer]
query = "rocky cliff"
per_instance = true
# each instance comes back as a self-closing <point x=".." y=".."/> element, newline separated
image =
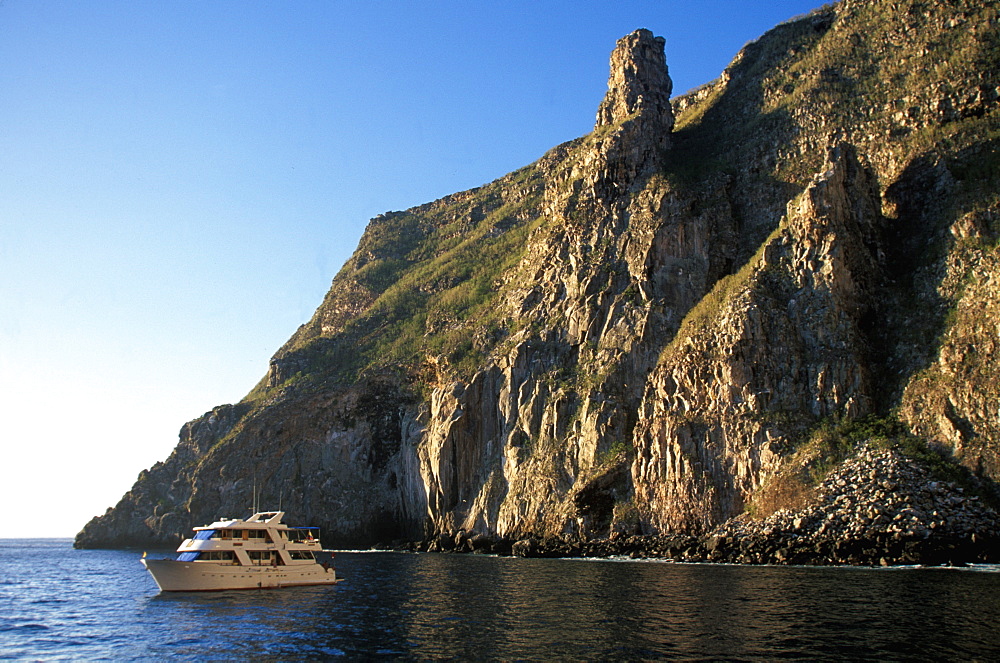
<point x="673" y="322"/>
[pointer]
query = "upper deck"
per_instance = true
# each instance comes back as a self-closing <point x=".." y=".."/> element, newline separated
<point x="262" y="538"/>
<point x="260" y="520"/>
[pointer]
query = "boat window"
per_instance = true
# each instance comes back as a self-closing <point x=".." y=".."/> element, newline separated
<point x="301" y="554"/>
<point x="256" y="533"/>
<point x="217" y="555"/>
<point x="261" y="557"/>
<point x="187" y="557"/>
<point x="303" y="534"/>
<point x="258" y="556"/>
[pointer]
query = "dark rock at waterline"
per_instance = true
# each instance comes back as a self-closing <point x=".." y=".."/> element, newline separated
<point x="882" y="550"/>
<point x="878" y="509"/>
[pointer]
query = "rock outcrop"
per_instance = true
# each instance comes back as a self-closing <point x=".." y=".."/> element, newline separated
<point x="636" y="109"/>
<point x="147" y="514"/>
<point x="639" y="84"/>
<point x="711" y="424"/>
<point x="624" y="347"/>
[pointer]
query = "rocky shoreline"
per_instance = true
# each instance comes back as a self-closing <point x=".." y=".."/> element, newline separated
<point x="880" y="508"/>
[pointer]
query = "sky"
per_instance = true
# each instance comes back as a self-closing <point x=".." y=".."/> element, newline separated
<point x="180" y="181"/>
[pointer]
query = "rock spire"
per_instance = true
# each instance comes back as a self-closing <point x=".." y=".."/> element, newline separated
<point x="639" y="84"/>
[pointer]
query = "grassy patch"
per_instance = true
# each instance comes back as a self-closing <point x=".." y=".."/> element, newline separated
<point x="619" y="451"/>
<point x="825" y="447"/>
<point x="703" y="316"/>
<point x="785" y="491"/>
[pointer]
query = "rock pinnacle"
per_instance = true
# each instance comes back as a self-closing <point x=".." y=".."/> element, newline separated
<point x="639" y="84"/>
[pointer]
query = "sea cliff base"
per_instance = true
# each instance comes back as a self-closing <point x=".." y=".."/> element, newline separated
<point x="878" y="509"/>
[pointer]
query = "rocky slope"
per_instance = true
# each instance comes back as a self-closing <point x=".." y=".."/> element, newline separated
<point x="645" y="331"/>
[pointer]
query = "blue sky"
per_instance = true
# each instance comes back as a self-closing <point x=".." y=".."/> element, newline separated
<point x="180" y="181"/>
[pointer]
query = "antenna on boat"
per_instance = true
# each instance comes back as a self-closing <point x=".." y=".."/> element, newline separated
<point x="254" y="500"/>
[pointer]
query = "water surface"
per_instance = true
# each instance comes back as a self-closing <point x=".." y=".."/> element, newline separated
<point x="91" y="604"/>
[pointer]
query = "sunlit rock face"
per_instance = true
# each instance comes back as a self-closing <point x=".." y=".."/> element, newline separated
<point x="642" y="332"/>
<point x="639" y="85"/>
<point x="784" y="335"/>
<point x="635" y="118"/>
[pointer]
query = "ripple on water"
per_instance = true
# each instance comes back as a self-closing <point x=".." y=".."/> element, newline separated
<point x="26" y="628"/>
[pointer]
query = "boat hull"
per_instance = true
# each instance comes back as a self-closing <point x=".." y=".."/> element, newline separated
<point x="175" y="576"/>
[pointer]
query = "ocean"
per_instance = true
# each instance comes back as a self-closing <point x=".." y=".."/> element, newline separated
<point x="61" y="603"/>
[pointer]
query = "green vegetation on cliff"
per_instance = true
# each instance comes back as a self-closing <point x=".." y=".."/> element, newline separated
<point x="665" y="323"/>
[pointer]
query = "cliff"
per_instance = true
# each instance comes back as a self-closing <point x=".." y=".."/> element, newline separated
<point x="668" y="327"/>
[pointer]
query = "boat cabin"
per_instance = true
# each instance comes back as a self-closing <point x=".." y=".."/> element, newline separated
<point x="261" y="540"/>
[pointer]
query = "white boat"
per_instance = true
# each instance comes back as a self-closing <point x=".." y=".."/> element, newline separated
<point x="260" y="552"/>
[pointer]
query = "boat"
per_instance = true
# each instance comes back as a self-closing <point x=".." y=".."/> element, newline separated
<point x="257" y="553"/>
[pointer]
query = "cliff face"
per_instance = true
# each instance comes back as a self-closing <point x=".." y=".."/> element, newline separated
<point x="636" y="333"/>
<point x="725" y="398"/>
